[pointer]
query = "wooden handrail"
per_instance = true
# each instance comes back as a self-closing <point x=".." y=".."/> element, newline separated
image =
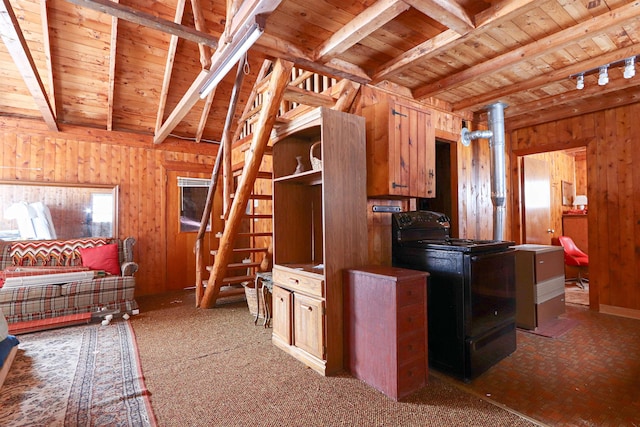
<point x="213" y="185"/>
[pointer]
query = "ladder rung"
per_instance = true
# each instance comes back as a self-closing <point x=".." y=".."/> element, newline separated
<point x="259" y="216"/>
<point x="231" y="292"/>
<point x="237" y="279"/>
<point x="259" y="175"/>
<point x="242" y="250"/>
<point x="243" y="265"/>
<point x="257" y="196"/>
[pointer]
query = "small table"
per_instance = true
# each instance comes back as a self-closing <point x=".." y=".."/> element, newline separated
<point x="266" y="279"/>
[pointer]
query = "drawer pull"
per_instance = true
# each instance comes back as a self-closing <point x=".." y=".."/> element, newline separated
<point x="294" y="280"/>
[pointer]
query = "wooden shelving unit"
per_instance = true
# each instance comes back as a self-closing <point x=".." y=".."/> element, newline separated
<point x="320" y="228"/>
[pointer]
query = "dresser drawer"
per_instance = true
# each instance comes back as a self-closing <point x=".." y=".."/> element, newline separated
<point x="298" y="281"/>
<point x="412" y="346"/>
<point x="549" y="264"/>
<point x="411" y="318"/>
<point x="411" y="377"/>
<point x="413" y="292"/>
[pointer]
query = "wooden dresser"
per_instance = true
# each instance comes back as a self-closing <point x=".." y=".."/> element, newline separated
<point x="386" y="328"/>
<point x="539" y="284"/>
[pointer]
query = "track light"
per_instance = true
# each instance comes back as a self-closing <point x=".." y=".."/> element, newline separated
<point x="580" y="81"/>
<point x="238" y="47"/>
<point x="603" y="77"/>
<point x="629" y="67"/>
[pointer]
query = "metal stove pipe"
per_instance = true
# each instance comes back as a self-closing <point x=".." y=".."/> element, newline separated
<point x="495" y="134"/>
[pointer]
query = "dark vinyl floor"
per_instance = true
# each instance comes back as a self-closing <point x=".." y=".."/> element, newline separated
<point x="588" y="376"/>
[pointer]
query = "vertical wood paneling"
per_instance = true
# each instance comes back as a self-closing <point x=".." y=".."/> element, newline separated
<point x="98" y="157"/>
<point x="613" y="163"/>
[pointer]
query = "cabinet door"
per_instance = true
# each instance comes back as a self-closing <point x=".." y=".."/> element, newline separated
<point x="281" y="319"/>
<point x="411" y="151"/>
<point x="308" y="320"/>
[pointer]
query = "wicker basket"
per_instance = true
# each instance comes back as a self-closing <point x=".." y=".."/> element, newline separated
<point x="316" y="163"/>
<point x="252" y="300"/>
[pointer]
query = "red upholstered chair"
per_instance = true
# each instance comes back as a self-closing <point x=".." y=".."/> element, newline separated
<point x="574" y="257"/>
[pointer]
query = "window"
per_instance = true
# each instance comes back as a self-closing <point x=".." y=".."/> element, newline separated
<point x="193" y="198"/>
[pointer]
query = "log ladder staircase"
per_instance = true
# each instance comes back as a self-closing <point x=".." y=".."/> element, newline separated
<point x="280" y="94"/>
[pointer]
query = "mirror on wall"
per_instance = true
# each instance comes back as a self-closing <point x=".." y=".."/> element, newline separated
<point x="43" y="211"/>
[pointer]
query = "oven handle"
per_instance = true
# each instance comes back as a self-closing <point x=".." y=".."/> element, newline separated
<point x="491" y="254"/>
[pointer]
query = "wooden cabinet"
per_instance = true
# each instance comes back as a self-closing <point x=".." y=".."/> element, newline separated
<point x="400" y="146"/>
<point x="386" y="328"/>
<point x="319" y="229"/>
<point x="539" y="284"/>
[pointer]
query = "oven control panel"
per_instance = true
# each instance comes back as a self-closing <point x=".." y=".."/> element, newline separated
<point x="421" y="219"/>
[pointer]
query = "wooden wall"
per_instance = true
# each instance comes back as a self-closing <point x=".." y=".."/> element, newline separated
<point x="613" y="175"/>
<point x="82" y="155"/>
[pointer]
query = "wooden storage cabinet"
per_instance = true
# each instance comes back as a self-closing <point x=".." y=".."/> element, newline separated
<point x="386" y="328"/>
<point x="281" y="317"/>
<point x="400" y="146"/>
<point x="539" y="284"/>
<point x="319" y="229"/>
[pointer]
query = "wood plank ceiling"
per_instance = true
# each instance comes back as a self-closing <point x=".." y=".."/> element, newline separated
<point x="126" y="66"/>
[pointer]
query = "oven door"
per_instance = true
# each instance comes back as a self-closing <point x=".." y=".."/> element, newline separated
<point x="491" y="298"/>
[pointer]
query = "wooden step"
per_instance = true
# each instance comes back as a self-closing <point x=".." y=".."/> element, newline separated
<point x="243" y="250"/>
<point x="258" y="216"/>
<point x="237" y="265"/>
<point x="259" y="175"/>
<point x="261" y="234"/>
<point x="249" y="216"/>
<point x="230" y="291"/>
<point x="238" y="279"/>
<point x="257" y="196"/>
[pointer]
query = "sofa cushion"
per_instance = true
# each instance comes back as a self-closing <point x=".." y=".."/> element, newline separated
<point x="52" y="252"/>
<point x="103" y="257"/>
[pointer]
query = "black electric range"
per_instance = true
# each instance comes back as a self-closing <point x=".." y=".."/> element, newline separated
<point x="470" y="295"/>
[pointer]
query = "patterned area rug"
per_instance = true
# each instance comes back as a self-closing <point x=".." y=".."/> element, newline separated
<point x="79" y="376"/>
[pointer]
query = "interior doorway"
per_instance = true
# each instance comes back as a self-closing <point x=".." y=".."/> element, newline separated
<point x="445" y="200"/>
<point x="567" y="169"/>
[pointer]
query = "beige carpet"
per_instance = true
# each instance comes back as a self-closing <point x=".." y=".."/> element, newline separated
<point x="215" y="368"/>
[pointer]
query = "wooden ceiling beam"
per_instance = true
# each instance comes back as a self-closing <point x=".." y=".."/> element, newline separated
<point x="200" y="23"/>
<point x="46" y="44"/>
<point x="274" y="47"/>
<point x="168" y="68"/>
<point x="19" y="51"/>
<point x="630" y="95"/>
<point x="447" y="12"/>
<point x="556" y="41"/>
<point x="145" y="19"/>
<point x="112" y="71"/>
<point x="360" y="27"/>
<point x="189" y="99"/>
<point x="545" y="79"/>
<point x="493" y="16"/>
<point x="250" y="10"/>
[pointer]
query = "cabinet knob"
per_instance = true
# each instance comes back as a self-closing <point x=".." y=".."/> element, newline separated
<point x="306" y="307"/>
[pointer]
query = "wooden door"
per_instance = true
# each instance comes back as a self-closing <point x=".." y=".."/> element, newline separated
<point x="308" y="321"/>
<point x="411" y="151"/>
<point x="536" y="201"/>
<point x="282" y="314"/>
<point x="181" y="261"/>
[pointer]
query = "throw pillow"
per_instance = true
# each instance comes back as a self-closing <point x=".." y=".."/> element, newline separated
<point x="104" y="257"/>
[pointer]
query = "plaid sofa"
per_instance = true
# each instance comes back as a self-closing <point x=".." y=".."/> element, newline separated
<point x="47" y="301"/>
